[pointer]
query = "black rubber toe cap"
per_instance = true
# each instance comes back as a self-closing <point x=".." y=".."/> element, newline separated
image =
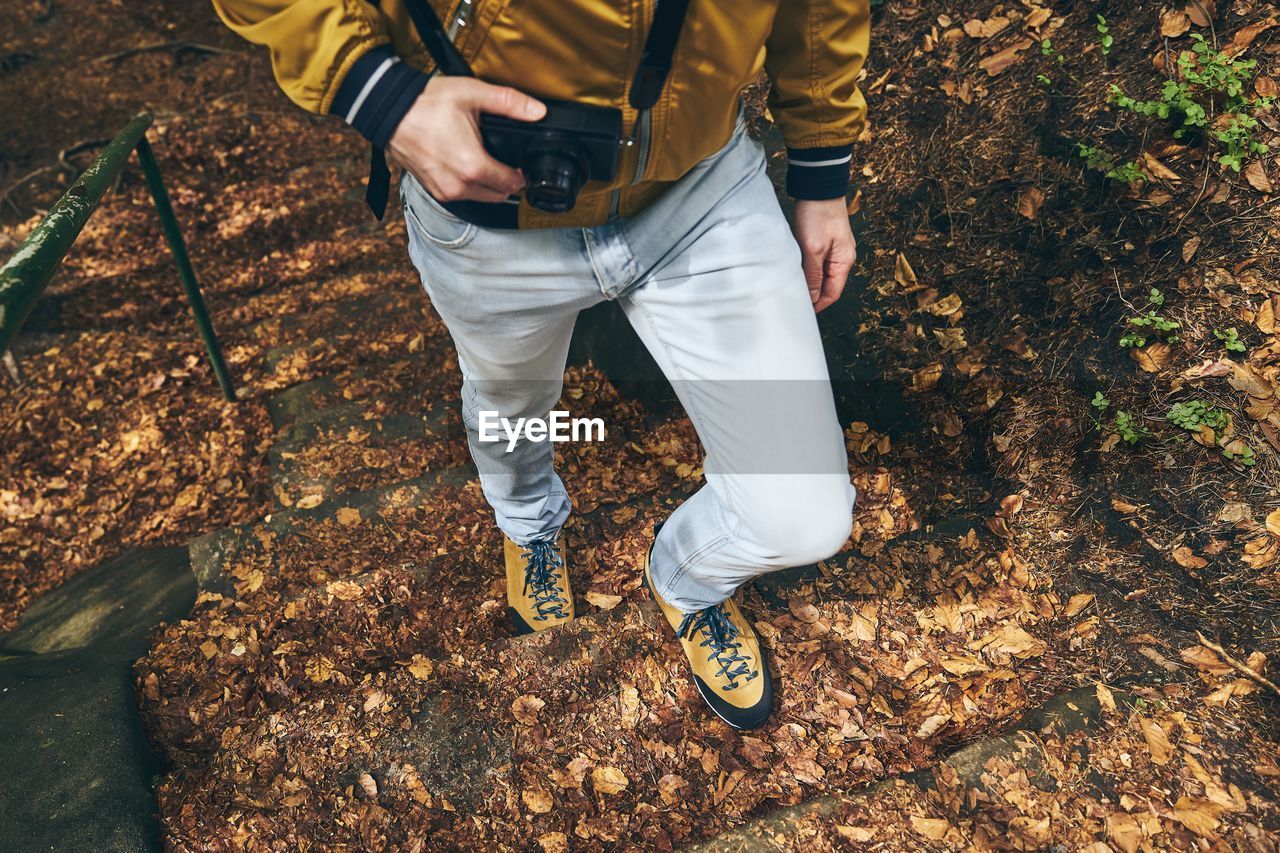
<point x="740" y="718"/>
<point x="517" y="621"/>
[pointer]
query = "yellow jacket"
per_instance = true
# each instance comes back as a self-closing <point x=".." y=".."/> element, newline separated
<point x="364" y="61"/>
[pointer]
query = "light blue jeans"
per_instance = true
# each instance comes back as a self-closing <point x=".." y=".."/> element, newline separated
<point x="709" y="275"/>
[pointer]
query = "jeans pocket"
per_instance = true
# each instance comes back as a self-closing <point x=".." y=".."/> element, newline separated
<point x="428" y="218"/>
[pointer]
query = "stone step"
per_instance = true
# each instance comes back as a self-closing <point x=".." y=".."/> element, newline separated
<point x="344" y="317"/>
<point x="813" y="825"/>
<point x="223" y="559"/>
<point x="307" y="290"/>
<point x="398" y="387"/>
<point x="341" y="450"/>
<point x="79" y="768"/>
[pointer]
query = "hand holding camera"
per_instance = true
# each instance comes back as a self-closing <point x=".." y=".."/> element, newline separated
<point x="439" y="139"/>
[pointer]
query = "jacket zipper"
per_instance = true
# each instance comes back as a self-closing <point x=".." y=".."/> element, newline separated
<point x="642" y="136"/>
<point x="460" y="18"/>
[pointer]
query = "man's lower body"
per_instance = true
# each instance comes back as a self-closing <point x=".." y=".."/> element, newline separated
<point x="710" y="278"/>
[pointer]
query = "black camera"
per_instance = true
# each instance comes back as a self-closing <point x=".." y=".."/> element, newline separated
<point x="572" y="144"/>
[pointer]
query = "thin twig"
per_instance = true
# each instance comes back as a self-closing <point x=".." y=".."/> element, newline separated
<point x="7" y="191"/>
<point x="175" y="46"/>
<point x="78" y="148"/>
<point x="1242" y="668"/>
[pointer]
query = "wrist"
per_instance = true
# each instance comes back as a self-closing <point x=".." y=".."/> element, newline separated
<point x="377" y="93"/>
<point x="818" y="174"/>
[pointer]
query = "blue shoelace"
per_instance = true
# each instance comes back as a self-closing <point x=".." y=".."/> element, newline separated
<point x="721" y="635"/>
<point x="541" y="578"/>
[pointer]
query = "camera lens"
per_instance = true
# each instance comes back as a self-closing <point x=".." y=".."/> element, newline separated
<point x="556" y="169"/>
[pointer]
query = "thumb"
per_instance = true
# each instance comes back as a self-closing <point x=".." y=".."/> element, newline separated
<point x="509" y="102"/>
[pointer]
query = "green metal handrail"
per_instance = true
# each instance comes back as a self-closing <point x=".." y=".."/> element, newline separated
<point x="27" y="272"/>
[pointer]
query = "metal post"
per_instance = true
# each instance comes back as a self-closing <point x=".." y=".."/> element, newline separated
<point x="173" y="234"/>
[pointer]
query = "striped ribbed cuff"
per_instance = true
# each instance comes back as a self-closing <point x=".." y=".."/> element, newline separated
<point x="376" y="93"/>
<point x="814" y="174"/>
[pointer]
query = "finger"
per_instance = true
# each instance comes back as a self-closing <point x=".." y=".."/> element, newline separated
<point x="833" y="284"/>
<point x="812" y="262"/>
<point x="506" y="101"/>
<point x="480" y="170"/>
<point x="831" y="292"/>
<point x="458" y="189"/>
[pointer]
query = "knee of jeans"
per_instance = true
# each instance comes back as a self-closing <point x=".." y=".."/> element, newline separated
<point x="800" y="532"/>
<point x="511" y="400"/>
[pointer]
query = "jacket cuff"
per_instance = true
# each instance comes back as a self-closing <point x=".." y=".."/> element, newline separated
<point x="376" y="93"/>
<point x="814" y="174"/>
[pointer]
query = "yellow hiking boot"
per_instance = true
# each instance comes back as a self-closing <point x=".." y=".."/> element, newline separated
<point x="724" y="653"/>
<point x="538" y="591"/>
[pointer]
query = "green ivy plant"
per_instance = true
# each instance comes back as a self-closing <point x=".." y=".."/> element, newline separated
<point x="1105" y="39"/>
<point x="1194" y="413"/>
<point x="1208" y="79"/>
<point x="1124" y="424"/>
<point x="1127" y="172"/>
<point x="1128" y="428"/>
<point x="1231" y="339"/>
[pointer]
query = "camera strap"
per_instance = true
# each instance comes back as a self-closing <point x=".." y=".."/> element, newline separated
<point x="646" y="85"/>
<point x="659" y="50"/>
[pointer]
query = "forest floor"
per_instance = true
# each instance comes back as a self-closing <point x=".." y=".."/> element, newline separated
<point x="1052" y="498"/>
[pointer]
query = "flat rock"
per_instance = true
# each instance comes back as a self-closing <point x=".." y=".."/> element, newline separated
<point x="78" y="768"/>
<point x="112" y="607"/>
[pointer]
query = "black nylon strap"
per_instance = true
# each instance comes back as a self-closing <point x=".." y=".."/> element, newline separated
<point x="378" y="188"/>
<point x="659" y="49"/>
<point x="646" y="85"/>
<point x="436" y="40"/>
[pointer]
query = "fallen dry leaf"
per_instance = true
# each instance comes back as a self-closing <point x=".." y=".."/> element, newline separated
<point x="903" y="274"/>
<point x="1256" y="174"/>
<point x="537" y="799"/>
<point x="1030" y="201"/>
<point x="1106" y="700"/>
<point x="803" y="610"/>
<point x="554" y="842"/>
<point x="1246" y="35"/>
<point x="980" y="29"/>
<point x="368" y="785"/>
<point x="1157" y="741"/>
<point x="525" y="708"/>
<point x="1273" y="522"/>
<point x="1189" y="248"/>
<point x="1173" y="23"/>
<point x="997" y="63"/>
<point x="930" y="827"/>
<point x="1078" y="602"/>
<point x="345" y="590"/>
<point x="1201" y="12"/>
<point x="421" y="667"/>
<point x="1152" y="358"/>
<point x="603" y="600"/>
<point x="608" y="780"/>
<point x="1188" y="559"/>
<point x="933" y="725"/>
